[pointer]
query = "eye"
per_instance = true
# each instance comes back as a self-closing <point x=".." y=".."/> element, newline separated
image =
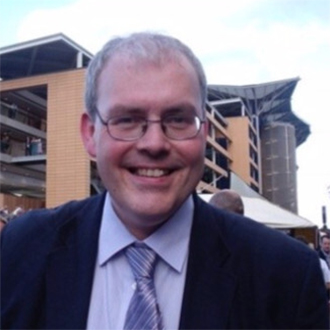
<point x="179" y="121"/>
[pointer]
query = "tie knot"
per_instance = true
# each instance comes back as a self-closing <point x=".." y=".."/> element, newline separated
<point x="141" y="259"/>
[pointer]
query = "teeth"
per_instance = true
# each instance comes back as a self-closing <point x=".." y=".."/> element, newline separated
<point x="151" y="173"/>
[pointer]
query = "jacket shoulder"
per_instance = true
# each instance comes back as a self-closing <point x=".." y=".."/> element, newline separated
<point x="45" y="221"/>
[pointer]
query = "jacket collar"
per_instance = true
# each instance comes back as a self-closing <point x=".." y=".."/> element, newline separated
<point x="71" y="266"/>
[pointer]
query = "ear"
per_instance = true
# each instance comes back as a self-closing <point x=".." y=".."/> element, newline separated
<point x="206" y="128"/>
<point x="87" y="131"/>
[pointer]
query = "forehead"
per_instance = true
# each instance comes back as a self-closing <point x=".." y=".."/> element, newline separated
<point x="141" y="80"/>
<point x="127" y="63"/>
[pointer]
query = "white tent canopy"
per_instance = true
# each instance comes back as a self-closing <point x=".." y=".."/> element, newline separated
<point x="269" y="214"/>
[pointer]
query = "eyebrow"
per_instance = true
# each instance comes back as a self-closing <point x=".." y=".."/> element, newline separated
<point x="182" y="107"/>
<point x="120" y="109"/>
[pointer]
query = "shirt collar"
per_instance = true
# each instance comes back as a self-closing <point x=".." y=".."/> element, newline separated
<point x="170" y="241"/>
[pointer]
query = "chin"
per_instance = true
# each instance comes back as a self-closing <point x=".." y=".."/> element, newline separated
<point x="155" y="209"/>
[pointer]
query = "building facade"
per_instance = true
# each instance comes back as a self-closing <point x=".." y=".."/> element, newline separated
<point x="252" y="131"/>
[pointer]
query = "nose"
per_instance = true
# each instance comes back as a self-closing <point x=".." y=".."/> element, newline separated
<point x="154" y="140"/>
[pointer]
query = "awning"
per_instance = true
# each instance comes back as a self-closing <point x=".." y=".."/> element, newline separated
<point x="270" y="214"/>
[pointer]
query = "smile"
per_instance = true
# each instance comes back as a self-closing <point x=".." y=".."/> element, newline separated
<point x="153" y="173"/>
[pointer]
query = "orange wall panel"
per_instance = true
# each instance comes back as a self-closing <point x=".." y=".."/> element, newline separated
<point x="66" y="155"/>
<point x="238" y="129"/>
<point x="68" y="165"/>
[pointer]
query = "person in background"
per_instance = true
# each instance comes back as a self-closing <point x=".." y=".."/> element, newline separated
<point x="5" y="143"/>
<point x="39" y="147"/>
<point x="3" y="222"/>
<point x="34" y="146"/>
<point x="324" y="250"/>
<point x="229" y="200"/>
<point x="149" y="242"/>
<point x="323" y="264"/>
<point x="16" y="213"/>
<point x="12" y="111"/>
<point x="28" y="146"/>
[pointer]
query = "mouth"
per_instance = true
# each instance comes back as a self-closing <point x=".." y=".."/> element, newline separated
<point x="150" y="173"/>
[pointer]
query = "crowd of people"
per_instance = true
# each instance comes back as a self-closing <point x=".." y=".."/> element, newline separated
<point x="6" y="215"/>
<point x="33" y="145"/>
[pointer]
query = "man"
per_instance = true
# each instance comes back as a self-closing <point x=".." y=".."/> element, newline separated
<point x="323" y="264"/>
<point x="229" y="200"/>
<point x="70" y="267"/>
<point x="324" y="251"/>
<point x="12" y="110"/>
<point x="3" y="222"/>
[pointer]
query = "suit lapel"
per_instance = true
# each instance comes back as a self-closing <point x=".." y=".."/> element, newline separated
<point x="70" y="268"/>
<point x="210" y="287"/>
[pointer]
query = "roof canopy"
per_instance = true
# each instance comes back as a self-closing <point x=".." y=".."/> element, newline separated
<point x="45" y="55"/>
<point x="271" y="102"/>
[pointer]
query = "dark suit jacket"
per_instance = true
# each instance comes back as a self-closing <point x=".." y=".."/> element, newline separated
<point x="240" y="273"/>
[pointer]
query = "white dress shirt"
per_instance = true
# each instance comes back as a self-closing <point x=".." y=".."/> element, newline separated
<point x="325" y="271"/>
<point x="114" y="282"/>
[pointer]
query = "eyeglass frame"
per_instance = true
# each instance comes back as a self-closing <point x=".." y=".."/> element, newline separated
<point x="145" y="128"/>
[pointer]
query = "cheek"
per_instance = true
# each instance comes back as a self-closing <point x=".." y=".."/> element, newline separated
<point x="194" y="154"/>
<point x="106" y="153"/>
<point x="110" y="153"/>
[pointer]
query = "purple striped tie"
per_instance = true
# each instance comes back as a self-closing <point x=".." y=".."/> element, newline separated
<point x="143" y="312"/>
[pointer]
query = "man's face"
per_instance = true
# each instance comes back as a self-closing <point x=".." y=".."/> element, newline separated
<point x="148" y="179"/>
<point x="325" y="244"/>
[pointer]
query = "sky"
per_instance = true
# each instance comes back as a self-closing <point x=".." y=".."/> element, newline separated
<point x="240" y="42"/>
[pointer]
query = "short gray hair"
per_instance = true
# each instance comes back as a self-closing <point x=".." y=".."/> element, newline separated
<point x="143" y="45"/>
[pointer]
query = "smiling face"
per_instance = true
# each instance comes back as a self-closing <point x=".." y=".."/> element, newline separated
<point x="148" y="179"/>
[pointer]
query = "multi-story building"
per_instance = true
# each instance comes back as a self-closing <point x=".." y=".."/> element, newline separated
<point x="263" y="134"/>
<point x="252" y="133"/>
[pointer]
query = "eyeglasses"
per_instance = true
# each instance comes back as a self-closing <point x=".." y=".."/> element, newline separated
<point x="133" y="127"/>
